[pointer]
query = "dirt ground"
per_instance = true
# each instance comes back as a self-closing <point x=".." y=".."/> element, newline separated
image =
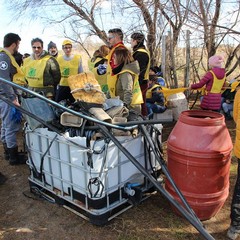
<point x="27" y="217"/>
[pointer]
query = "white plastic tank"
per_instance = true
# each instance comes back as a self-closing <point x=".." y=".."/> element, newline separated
<point x="178" y="103"/>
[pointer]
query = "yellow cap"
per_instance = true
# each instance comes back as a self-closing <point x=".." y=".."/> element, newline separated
<point x="66" y="42"/>
<point x="234" y="86"/>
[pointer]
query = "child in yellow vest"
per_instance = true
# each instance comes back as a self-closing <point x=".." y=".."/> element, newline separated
<point x="98" y="65"/>
<point x="155" y="98"/>
<point x="213" y="80"/>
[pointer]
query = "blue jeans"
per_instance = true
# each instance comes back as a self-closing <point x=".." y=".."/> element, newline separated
<point x="9" y="127"/>
<point x="154" y="108"/>
<point x="227" y="107"/>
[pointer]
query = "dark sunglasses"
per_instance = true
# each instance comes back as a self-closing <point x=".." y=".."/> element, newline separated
<point x="34" y="47"/>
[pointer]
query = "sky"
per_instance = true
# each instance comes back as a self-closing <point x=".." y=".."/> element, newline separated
<point x="27" y="31"/>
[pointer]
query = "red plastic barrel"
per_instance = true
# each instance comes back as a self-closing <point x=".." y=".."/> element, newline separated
<point x="198" y="159"/>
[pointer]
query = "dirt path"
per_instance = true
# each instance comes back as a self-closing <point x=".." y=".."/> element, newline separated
<point x="27" y="217"/>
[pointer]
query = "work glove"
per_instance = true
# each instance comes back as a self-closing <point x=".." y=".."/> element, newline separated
<point x="16" y="115"/>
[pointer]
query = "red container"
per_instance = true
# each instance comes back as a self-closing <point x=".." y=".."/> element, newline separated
<point x="198" y="157"/>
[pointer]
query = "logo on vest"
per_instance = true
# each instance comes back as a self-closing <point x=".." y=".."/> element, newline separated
<point x="66" y="72"/>
<point x="3" y="65"/>
<point x="104" y="88"/>
<point x="32" y="72"/>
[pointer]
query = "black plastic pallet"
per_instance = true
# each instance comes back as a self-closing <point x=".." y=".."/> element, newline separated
<point x="96" y="219"/>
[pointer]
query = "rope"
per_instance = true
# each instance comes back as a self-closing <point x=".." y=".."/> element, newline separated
<point x="88" y="87"/>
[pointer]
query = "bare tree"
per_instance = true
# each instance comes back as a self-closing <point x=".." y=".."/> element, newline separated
<point x="209" y="33"/>
<point x="175" y="14"/>
<point x="150" y="21"/>
<point x="88" y="16"/>
<point x="207" y="17"/>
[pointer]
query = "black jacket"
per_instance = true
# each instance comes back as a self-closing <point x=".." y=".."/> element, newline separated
<point x="143" y="60"/>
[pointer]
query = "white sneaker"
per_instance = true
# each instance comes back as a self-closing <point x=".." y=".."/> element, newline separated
<point x="233" y="233"/>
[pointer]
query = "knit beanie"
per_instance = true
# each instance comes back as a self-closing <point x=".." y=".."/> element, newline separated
<point x="215" y="61"/>
<point x="51" y="44"/>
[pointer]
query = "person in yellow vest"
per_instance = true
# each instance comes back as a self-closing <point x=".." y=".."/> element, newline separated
<point x="126" y="85"/>
<point x="234" y="229"/>
<point x="155" y="100"/>
<point x="9" y="124"/>
<point x="70" y="64"/>
<point x="155" y="70"/>
<point x="115" y="39"/>
<point x="142" y="55"/>
<point x="98" y="65"/>
<point x="41" y="70"/>
<point x="99" y="57"/>
<point x="213" y="80"/>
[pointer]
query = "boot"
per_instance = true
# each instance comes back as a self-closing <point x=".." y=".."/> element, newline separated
<point x="16" y="157"/>
<point x="6" y="153"/>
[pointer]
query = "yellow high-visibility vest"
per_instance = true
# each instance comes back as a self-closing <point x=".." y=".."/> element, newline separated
<point x="137" y="94"/>
<point x="217" y="83"/>
<point x="18" y="77"/>
<point x="34" y="69"/>
<point x="68" y="68"/>
<point x="111" y="77"/>
<point x="146" y="75"/>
